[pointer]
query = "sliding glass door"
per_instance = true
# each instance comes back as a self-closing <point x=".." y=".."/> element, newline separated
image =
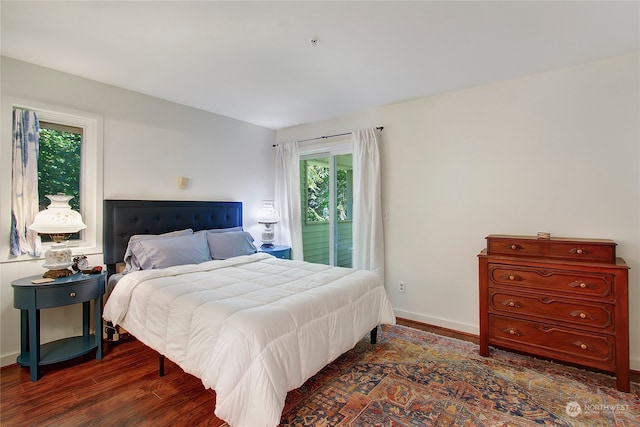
<point x="326" y="195"/>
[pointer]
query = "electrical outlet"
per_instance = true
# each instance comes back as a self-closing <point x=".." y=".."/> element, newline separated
<point x="401" y="286"/>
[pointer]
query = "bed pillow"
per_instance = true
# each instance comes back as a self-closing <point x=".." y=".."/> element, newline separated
<point x="169" y="251"/>
<point x="230" y="244"/>
<point x="220" y="230"/>
<point x="130" y="261"/>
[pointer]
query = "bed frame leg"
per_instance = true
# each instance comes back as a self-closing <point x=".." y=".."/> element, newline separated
<point x="161" y="367"/>
<point x="374" y="335"/>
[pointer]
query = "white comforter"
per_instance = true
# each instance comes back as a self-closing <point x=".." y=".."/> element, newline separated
<point x="251" y="327"/>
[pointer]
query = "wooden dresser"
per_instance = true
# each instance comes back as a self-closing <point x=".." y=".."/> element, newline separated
<point x="558" y="298"/>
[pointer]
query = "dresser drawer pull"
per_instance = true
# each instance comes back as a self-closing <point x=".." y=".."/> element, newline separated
<point x="581" y="345"/>
<point x="512" y="331"/>
<point x="514" y="247"/>
<point x="582" y="285"/>
<point x="72" y="294"/>
<point x="511" y="277"/>
<point x="511" y="303"/>
<point x="578" y="251"/>
<point x="581" y="314"/>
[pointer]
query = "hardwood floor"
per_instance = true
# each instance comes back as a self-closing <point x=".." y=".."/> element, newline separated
<point x="122" y="389"/>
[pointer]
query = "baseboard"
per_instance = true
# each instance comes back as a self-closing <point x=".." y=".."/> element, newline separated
<point x="465" y="336"/>
<point x="466" y="328"/>
<point x="9" y="359"/>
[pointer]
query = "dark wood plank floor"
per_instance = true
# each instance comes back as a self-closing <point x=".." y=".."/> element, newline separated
<point x="122" y="389"/>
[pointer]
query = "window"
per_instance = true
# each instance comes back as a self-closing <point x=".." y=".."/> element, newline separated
<point x="326" y="197"/>
<point x="70" y="161"/>
<point x="59" y="164"/>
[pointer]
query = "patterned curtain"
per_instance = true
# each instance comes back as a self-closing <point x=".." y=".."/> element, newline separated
<point x="24" y="197"/>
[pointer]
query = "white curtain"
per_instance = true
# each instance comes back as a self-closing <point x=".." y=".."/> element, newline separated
<point x="287" y="198"/>
<point x="24" y="197"/>
<point x="368" y="238"/>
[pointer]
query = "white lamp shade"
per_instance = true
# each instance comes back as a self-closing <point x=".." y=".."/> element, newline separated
<point x="58" y="218"/>
<point x="268" y="214"/>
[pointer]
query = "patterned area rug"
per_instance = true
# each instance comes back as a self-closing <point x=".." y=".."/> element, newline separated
<point x="414" y="378"/>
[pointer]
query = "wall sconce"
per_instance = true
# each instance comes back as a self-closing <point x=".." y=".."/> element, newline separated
<point x="268" y="216"/>
<point x="58" y="221"/>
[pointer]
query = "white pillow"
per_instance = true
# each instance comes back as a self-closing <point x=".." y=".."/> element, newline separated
<point x="230" y="244"/>
<point x="169" y="251"/>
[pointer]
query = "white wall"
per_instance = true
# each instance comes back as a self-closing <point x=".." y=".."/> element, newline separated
<point x="148" y="144"/>
<point x="556" y="152"/>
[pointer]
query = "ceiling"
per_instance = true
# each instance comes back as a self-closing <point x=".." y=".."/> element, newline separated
<point x="253" y="61"/>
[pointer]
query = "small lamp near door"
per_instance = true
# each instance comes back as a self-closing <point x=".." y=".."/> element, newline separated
<point x="268" y="216"/>
<point x="58" y="221"/>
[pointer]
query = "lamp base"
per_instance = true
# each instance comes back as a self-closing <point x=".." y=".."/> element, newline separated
<point x="267" y="246"/>
<point x="54" y="274"/>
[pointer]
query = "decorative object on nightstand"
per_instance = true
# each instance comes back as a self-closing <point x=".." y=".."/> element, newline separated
<point x="268" y="216"/>
<point x="31" y="294"/>
<point x="559" y="298"/>
<point x="59" y="221"/>
<point x="278" y="251"/>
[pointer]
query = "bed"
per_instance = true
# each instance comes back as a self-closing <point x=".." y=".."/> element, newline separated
<point x="252" y="327"/>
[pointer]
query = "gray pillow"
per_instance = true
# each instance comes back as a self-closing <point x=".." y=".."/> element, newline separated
<point x="169" y="251"/>
<point x="220" y="230"/>
<point x="131" y="263"/>
<point x="230" y="244"/>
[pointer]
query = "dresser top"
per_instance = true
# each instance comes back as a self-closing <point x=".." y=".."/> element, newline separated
<point x="552" y="239"/>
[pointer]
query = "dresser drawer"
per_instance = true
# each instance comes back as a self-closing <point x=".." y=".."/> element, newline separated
<point x="59" y="295"/>
<point x="596" y="350"/>
<point x="598" y="317"/>
<point x="575" y="249"/>
<point x="581" y="284"/>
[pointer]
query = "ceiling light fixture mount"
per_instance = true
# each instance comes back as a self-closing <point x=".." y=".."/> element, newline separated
<point x="314" y="41"/>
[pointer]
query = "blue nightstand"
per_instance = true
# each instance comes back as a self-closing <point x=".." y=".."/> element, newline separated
<point x="278" y="251"/>
<point x="31" y="298"/>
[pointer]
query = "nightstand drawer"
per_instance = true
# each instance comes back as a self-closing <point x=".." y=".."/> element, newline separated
<point x="67" y="294"/>
<point x="278" y="251"/>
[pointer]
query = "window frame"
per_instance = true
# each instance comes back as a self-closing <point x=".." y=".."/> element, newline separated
<point x="91" y="176"/>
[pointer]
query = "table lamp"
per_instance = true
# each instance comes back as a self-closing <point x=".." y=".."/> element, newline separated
<point x="58" y="221"/>
<point x="268" y="216"/>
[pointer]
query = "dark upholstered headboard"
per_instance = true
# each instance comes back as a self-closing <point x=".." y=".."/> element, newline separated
<point x="124" y="218"/>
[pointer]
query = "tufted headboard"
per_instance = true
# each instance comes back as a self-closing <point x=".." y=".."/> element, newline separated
<point x="124" y="218"/>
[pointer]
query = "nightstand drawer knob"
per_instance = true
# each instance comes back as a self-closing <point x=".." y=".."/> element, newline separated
<point x="72" y="294"/>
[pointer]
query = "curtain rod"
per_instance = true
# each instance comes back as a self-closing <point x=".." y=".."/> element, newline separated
<point x="330" y="136"/>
